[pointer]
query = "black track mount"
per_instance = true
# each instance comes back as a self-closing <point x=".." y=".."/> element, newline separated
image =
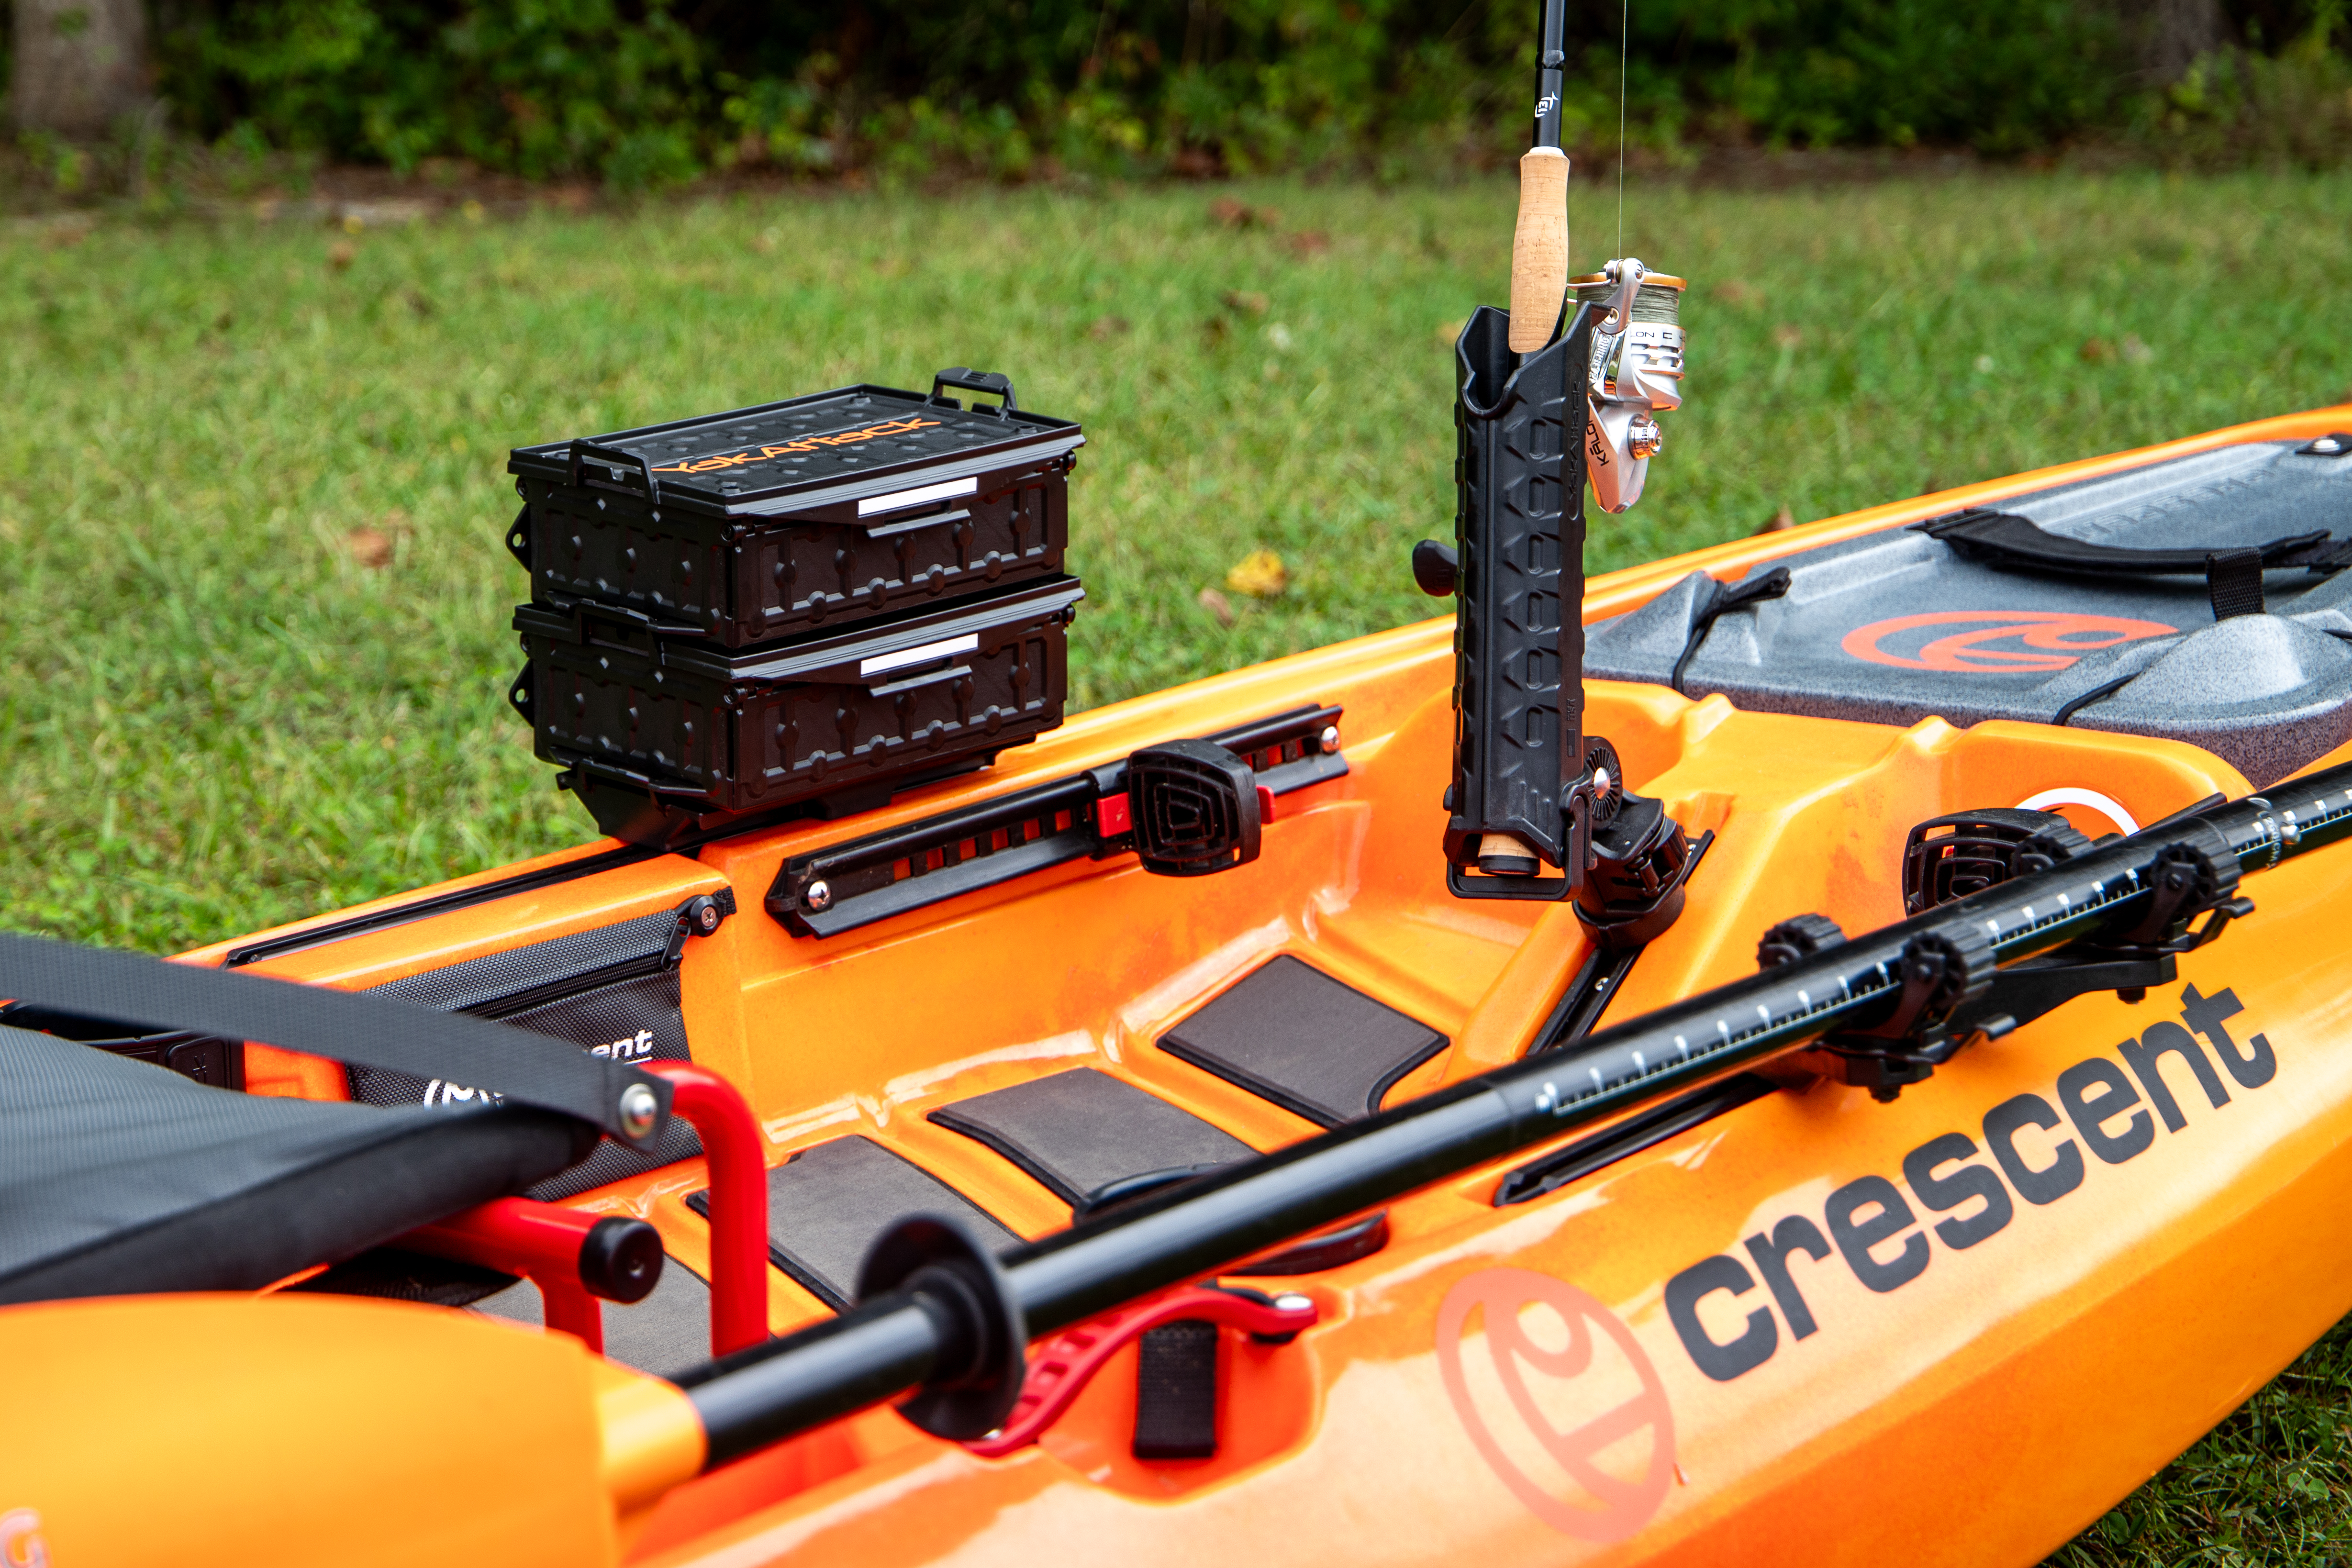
<point x="1950" y="993"/>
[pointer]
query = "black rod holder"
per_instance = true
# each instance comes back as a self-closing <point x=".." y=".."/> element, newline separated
<point x="886" y="1346"/>
<point x="1518" y="798"/>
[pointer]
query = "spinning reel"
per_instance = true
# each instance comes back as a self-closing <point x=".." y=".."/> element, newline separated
<point x="1637" y="372"/>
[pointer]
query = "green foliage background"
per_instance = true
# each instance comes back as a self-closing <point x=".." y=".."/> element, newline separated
<point x="650" y="92"/>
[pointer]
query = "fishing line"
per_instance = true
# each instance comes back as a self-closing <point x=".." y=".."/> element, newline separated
<point x="1625" y="19"/>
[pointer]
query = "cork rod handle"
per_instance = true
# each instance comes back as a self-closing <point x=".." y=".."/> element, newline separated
<point x="1540" y="249"/>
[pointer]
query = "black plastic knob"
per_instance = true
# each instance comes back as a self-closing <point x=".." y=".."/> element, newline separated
<point x="1435" y="568"/>
<point x="621" y="1259"/>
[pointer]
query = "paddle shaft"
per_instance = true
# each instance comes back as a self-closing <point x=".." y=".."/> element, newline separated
<point x="1539" y="244"/>
<point x="892" y="1343"/>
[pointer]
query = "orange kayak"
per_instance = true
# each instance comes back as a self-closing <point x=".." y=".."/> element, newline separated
<point x="1774" y="1309"/>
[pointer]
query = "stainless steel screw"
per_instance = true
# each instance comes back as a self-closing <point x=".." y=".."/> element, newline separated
<point x="1329" y="739"/>
<point x="819" y="896"/>
<point x="706" y="917"/>
<point x="639" y="1109"/>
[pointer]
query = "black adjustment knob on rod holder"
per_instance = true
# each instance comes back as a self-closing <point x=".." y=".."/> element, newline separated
<point x="1435" y="568"/>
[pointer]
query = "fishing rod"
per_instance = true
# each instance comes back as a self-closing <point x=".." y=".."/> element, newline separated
<point x="1539" y="243"/>
<point x="1553" y="397"/>
<point x="938" y="1316"/>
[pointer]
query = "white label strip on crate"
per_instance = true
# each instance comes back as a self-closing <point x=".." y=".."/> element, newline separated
<point x="906" y="658"/>
<point x="900" y="500"/>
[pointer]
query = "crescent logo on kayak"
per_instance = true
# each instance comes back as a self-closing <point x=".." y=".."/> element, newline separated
<point x="1575" y="1423"/>
<point x="1873" y="1227"/>
<point x="716" y="461"/>
<point x="1996" y="642"/>
<point x="20" y="1539"/>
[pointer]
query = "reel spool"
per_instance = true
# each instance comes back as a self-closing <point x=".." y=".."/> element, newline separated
<point x="1636" y="374"/>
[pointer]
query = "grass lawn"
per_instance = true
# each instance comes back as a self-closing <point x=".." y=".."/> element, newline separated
<point x="251" y="492"/>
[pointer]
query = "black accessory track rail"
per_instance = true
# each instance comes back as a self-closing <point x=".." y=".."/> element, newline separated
<point x="1086" y="815"/>
<point x="897" y="1341"/>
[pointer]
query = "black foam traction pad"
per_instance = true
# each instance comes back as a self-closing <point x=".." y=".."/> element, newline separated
<point x="1290" y="1033"/>
<point x="1079" y="1130"/>
<point x="828" y="1205"/>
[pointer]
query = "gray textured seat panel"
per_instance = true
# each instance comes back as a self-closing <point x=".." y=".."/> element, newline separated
<point x="828" y="1205"/>
<point x="1078" y="1132"/>
<point x="1294" y="1035"/>
<point x="1894" y="627"/>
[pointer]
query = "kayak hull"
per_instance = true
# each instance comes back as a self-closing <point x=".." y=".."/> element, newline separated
<point x="1813" y="1328"/>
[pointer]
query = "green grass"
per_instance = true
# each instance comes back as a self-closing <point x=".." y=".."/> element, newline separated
<point x="215" y="716"/>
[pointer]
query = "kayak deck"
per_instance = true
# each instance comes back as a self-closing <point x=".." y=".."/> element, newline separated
<point x="2016" y="1358"/>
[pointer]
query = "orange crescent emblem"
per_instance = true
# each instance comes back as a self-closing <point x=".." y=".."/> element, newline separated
<point x="1609" y="1508"/>
<point x="2002" y="642"/>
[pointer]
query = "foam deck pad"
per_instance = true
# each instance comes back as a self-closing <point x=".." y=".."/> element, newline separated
<point x="1296" y="1036"/>
<point x="828" y="1205"/>
<point x="1080" y="1131"/>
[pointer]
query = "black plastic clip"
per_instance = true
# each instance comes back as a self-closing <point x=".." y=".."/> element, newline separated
<point x="1939" y="973"/>
<point x="982" y="1340"/>
<point x="700" y="916"/>
<point x="2189" y="878"/>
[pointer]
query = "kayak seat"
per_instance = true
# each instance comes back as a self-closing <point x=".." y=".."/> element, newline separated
<point x="1080" y="1131"/>
<point x="828" y="1204"/>
<point x="122" y="1177"/>
<point x="1290" y="1033"/>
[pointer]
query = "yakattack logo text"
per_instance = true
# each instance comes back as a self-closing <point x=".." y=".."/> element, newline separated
<point x="1543" y="1418"/>
<point x="1873" y="1229"/>
<point x="1995" y="642"/>
<point x="719" y="462"/>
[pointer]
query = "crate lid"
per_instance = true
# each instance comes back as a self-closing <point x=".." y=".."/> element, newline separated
<point x="807" y="452"/>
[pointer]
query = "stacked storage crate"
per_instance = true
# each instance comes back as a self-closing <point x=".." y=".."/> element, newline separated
<point x="795" y="608"/>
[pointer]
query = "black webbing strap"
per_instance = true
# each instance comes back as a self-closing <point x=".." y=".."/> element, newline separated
<point x="2004" y="538"/>
<point x="342" y="1026"/>
<point x="1722" y="600"/>
<point x="2234" y="580"/>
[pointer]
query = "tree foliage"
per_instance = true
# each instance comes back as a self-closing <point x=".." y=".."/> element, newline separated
<point x="643" y="92"/>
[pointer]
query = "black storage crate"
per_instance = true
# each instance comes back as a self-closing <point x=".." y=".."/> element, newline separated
<point x="799" y="517"/>
<point x="662" y="735"/>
